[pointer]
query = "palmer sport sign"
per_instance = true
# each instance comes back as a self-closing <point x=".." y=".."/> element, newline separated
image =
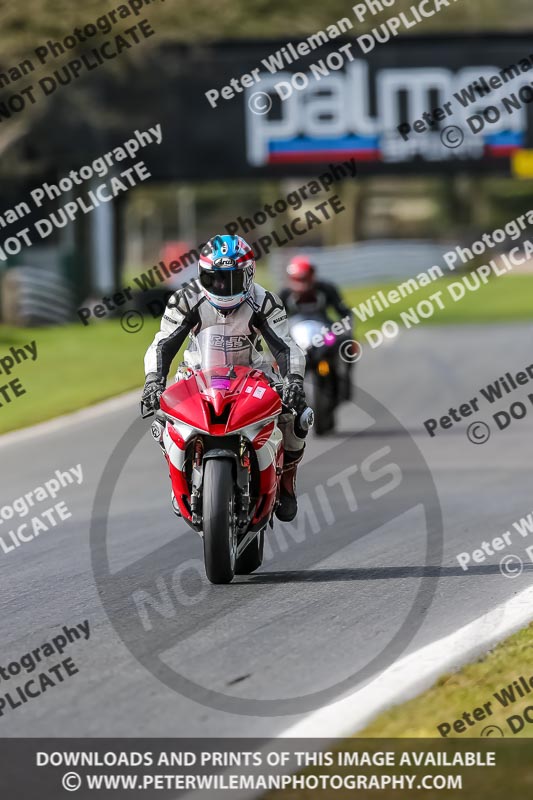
<point x="277" y="108"/>
<point x="389" y="115"/>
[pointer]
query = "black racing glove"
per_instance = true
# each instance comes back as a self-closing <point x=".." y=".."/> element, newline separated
<point x="294" y="394"/>
<point x="153" y="389"/>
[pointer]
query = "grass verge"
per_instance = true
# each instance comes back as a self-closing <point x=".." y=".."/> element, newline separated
<point x="507" y="299"/>
<point x="489" y="680"/>
<point x="77" y="366"/>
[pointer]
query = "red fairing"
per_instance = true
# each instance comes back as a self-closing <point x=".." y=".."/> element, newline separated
<point x="180" y="489"/>
<point x="249" y="396"/>
<point x="181" y="400"/>
<point x="263" y="436"/>
<point x="214" y="403"/>
<point x="176" y="437"/>
<point x="268" y="487"/>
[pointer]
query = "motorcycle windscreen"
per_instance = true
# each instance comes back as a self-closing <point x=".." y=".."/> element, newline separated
<point x="218" y="346"/>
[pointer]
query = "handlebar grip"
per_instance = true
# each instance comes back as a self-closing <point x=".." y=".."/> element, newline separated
<point x="307" y="419"/>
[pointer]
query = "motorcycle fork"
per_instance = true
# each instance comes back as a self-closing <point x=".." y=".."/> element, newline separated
<point x="196" y="481"/>
<point x="243" y="472"/>
<point x="243" y="481"/>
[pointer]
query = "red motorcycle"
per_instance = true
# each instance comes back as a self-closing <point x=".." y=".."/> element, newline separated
<point x="218" y="429"/>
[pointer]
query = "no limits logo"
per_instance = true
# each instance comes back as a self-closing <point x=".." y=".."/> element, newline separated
<point x="162" y="606"/>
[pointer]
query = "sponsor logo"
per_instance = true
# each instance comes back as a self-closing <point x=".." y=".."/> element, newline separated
<point x="364" y="111"/>
<point x="227" y="343"/>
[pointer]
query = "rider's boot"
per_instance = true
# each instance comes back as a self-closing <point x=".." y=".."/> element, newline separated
<point x="288" y="504"/>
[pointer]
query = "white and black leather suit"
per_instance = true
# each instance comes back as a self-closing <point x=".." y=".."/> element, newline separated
<point x="261" y="317"/>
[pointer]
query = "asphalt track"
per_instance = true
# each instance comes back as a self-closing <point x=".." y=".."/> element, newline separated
<point x="315" y="614"/>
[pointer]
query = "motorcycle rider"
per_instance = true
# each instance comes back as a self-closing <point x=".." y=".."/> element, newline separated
<point x="225" y="293"/>
<point x="309" y="296"/>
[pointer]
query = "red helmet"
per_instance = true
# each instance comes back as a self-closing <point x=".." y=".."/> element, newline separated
<point x="301" y="274"/>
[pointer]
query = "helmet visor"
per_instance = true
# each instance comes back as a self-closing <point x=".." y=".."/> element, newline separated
<point x="222" y="282"/>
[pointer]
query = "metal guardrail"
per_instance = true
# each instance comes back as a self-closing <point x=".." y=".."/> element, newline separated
<point x="34" y="296"/>
<point x="365" y="262"/>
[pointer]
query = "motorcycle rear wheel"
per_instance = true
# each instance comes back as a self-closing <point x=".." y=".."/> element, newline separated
<point x="220" y="534"/>
<point x="252" y="558"/>
<point x="324" y="406"/>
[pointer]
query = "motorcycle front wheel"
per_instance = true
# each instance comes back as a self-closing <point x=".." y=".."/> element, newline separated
<point x="324" y="405"/>
<point x="220" y="534"/>
<point x="252" y="558"/>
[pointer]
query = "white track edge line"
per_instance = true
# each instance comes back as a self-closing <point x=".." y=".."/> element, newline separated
<point x="416" y="672"/>
<point x="66" y="420"/>
<point x="396" y="684"/>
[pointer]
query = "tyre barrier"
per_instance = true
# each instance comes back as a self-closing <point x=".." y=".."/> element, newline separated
<point x="33" y="297"/>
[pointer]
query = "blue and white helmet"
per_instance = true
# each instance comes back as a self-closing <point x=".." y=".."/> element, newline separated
<point x="226" y="271"/>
